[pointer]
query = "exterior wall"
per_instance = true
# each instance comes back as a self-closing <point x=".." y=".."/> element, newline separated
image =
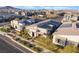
<point x="14" y="23"/>
<point x="66" y="18"/>
<point x="42" y="31"/>
<point x="58" y="37"/>
<point x="74" y="18"/>
<point x="32" y="31"/>
<point x="23" y="13"/>
<point x="66" y="40"/>
<point x="37" y="31"/>
<point x="69" y="17"/>
<point x="17" y="12"/>
<point x="19" y="26"/>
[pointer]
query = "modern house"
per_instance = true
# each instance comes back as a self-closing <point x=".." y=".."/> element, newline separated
<point x="20" y="24"/>
<point x="5" y="17"/>
<point x="69" y="17"/>
<point x="67" y="34"/>
<point x="44" y="28"/>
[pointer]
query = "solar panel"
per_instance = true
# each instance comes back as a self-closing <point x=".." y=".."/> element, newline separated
<point x="47" y="24"/>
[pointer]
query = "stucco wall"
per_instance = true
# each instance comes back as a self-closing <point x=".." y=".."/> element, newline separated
<point x="73" y="38"/>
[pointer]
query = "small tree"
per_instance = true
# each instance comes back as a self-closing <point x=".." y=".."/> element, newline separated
<point x="24" y="33"/>
<point x="5" y="29"/>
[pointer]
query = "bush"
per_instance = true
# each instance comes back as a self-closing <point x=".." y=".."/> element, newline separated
<point x="27" y="44"/>
<point x="44" y="40"/>
<point x="5" y="29"/>
<point x="17" y="39"/>
<point x="25" y="34"/>
<point x="37" y="49"/>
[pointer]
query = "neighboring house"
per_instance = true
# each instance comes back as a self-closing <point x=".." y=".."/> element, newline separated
<point x="17" y="24"/>
<point x="1" y="19"/>
<point x="20" y="24"/>
<point x="41" y="15"/>
<point x="42" y="28"/>
<point x="5" y="17"/>
<point x="20" y="13"/>
<point x="67" y="34"/>
<point x="69" y="17"/>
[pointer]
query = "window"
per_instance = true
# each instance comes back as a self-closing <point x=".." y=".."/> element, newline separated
<point x="78" y="45"/>
<point x="60" y="41"/>
<point x="77" y="25"/>
<point x="70" y="42"/>
<point x="15" y="27"/>
<point x="32" y="34"/>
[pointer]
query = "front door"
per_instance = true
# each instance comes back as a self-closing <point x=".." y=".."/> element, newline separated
<point x="32" y="34"/>
<point x="78" y="45"/>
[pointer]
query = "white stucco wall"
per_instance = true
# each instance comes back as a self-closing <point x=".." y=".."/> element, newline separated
<point x="30" y="32"/>
<point x="74" y="38"/>
<point x="42" y="30"/>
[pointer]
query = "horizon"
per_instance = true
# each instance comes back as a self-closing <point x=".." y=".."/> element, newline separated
<point x="48" y="7"/>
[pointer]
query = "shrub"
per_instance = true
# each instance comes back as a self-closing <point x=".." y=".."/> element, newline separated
<point x="17" y="39"/>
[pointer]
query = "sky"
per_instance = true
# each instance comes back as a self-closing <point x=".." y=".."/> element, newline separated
<point x="49" y="7"/>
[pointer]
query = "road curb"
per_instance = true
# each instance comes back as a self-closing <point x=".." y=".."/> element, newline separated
<point x="20" y="44"/>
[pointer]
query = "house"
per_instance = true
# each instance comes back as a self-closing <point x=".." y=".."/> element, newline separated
<point x="1" y="19"/>
<point x="42" y="28"/>
<point x="20" y="24"/>
<point x="41" y="15"/>
<point x="21" y="13"/>
<point x="67" y="34"/>
<point x="69" y="17"/>
<point x="5" y="17"/>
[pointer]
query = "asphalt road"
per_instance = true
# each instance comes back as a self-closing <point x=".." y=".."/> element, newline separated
<point x="4" y="23"/>
<point x="8" y="46"/>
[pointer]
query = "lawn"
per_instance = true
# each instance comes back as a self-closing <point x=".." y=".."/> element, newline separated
<point x="25" y="34"/>
<point x="47" y="43"/>
<point x="29" y="45"/>
<point x="5" y="29"/>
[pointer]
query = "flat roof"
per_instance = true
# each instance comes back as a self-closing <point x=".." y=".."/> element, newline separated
<point x="49" y="25"/>
<point x="41" y="22"/>
<point x="28" y="21"/>
<point x="67" y="29"/>
<point x="66" y="25"/>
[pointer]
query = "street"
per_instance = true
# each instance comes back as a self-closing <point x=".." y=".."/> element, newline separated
<point x="8" y="46"/>
<point x="4" y="23"/>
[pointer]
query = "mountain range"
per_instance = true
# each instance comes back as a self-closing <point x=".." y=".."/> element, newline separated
<point x="19" y="8"/>
<point x="9" y="8"/>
